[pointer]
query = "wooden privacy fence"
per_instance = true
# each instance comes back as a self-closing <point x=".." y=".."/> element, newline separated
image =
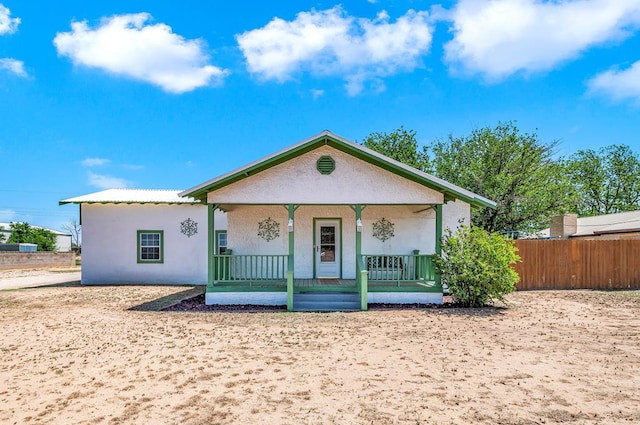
<point x="579" y="264"/>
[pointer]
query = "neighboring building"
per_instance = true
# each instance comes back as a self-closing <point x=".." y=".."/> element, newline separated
<point x="624" y="225"/>
<point x="63" y="240"/>
<point x="325" y="216"/>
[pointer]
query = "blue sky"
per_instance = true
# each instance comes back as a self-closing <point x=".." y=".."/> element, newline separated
<point x="157" y="94"/>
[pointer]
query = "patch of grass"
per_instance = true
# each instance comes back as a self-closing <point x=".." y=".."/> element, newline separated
<point x="629" y="294"/>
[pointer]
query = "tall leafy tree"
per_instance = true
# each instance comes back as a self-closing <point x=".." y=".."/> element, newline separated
<point x="515" y="169"/>
<point x="400" y="145"/>
<point x="25" y="233"/>
<point x="607" y="181"/>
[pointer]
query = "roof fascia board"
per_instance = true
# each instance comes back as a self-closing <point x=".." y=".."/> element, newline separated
<point x="128" y="202"/>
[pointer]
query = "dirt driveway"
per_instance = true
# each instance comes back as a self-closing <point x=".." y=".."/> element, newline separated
<point x="106" y="355"/>
<point x="15" y="279"/>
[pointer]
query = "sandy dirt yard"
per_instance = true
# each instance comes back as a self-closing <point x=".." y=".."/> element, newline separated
<point x="107" y="355"/>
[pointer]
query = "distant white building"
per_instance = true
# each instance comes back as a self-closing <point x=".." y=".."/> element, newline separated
<point x="63" y="240"/>
<point x="624" y="225"/>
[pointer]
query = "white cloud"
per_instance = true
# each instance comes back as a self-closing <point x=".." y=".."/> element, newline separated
<point x="127" y="45"/>
<point x="618" y="84"/>
<point x="316" y="93"/>
<point x="8" y="25"/>
<point x="332" y="43"/>
<point x="106" y="182"/>
<point x="132" y="166"/>
<point x="501" y="37"/>
<point x="13" y="65"/>
<point x="7" y="215"/>
<point x="95" y="162"/>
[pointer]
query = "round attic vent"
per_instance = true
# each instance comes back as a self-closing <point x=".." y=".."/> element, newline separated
<point x="326" y="164"/>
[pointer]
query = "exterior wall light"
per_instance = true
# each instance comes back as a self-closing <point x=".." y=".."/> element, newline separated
<point x="359" y="225"/>
<point x="290" y="225"/>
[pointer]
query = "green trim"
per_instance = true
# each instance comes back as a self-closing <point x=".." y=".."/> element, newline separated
<point x="197" y="202"/>
<point x="405" y="289"/>
<point x="305" y="290"/>
<point x="200" y="192"/>
<point x="438" y="242"/>
<point x="291" y="209"/>
<point x="246" y="288"/>
<point x="358" y="210"/>
<point x="315" y="219"/>
<point x="290" y="263"/>
<point x="138" y="252"/>
<point x="361" y="271"/>
<point x="363" y="284"/>
<point x="290" y="289"/>
<point x="211" y="209"/>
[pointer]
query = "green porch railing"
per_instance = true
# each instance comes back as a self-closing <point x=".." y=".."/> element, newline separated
<point x="400" y="268"/>
<point x="250" y="268"/>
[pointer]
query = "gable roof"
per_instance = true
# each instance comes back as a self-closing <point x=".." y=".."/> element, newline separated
<point x="132" y="196"/>
<point x="326" y="137"/>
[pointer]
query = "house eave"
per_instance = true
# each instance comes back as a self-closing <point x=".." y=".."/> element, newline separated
<point x="129" y="203"/>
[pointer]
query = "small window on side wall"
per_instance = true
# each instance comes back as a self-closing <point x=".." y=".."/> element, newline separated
<point x="221" y="242"/>
<point x="150" y="246"/>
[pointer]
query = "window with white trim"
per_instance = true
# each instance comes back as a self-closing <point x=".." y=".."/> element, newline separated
<point x="150" y="246"/>
<point x="221" y="242"/>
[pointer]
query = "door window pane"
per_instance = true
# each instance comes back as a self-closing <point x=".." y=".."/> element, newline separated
<point x="327" y="235"/>
<point x="327" y="253"/>
<point x="327" y="244"/>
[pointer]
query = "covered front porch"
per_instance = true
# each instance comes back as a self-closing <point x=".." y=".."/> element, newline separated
<point x="276" y="278"/>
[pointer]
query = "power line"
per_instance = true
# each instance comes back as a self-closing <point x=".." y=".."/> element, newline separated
<point x="36" y="191"/>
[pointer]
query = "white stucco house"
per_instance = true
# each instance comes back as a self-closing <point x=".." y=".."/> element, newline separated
<point x="325" y="217"/>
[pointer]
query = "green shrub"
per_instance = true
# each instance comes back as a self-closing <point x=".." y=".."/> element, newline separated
<point x="476" y="266"/>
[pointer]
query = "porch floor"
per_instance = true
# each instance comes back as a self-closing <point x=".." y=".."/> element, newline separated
<point x="301" y="285"/>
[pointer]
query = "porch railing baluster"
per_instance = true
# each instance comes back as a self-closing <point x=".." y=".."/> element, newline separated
<point x="250" y="269"/>
<point x="400" y="270"/>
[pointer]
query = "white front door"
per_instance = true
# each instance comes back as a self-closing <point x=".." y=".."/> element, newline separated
<point x="327" y="248"/>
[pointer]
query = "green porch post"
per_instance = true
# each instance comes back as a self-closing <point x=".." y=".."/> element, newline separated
<point x="438" y="241"/>
<point x="291" y="208"/>
<point x="362" y="278"/>
<point x="358" y="210"/>
<point x="211" y="243"/>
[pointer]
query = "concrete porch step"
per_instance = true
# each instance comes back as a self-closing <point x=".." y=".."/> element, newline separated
<point x="326" y="301"/>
